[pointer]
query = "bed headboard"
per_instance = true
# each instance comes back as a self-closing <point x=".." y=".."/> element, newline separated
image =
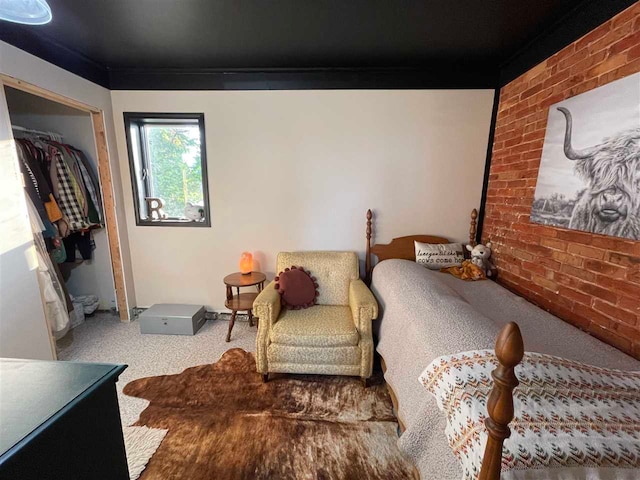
<point x="403" y="247"/>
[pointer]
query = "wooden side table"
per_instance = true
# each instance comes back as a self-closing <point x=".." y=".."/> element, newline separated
<point x="241" y="302"/>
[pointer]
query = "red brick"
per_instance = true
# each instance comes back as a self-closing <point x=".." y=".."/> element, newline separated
<point x="554" y="244"/>
<point x="622" y="259"/>
<point x="596" y="318"/>
<point x="622" y="45"/>
<point x="610" y="337"/>
<point x="535" y="71"/>
<point x="610" y="64"/>
<point x="633" y="275"/>
<point x="615" y="244"/>
<point x="567" y="259"/>
<point x="545" y="283"/>
<point x="564" y="53"/>
<point x="615" y="312"/>
<point x="573" y="318"/>
<point x="591" y="281"/>
<point x="583" y="87"/>
<point x="630" y="304"/>
<point x="573" y="236"/>
<point x="633" y="53"/>
<point x="549" y="263"/>
<point x="628" y="69"/>
<point x="579" y="273"/>
<point x="613" y="36"/>
<point x="622" y="18"/>
<point x="605" y="268"/>
<point x="620" y="286"/>
<point x="574" y="58"/>
<point x="531" y="91"/>
<point x="576" y="296"/>
<point x="586" y="251"/>
<point x="522" y="255"/>
<point x="534" y="268"/>
<point x="579" y="69"/>
<point x="594" y="35"/>
<point x="600" y="292"/>
<point x="567" y="280"/>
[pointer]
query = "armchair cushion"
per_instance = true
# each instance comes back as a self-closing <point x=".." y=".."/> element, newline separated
<point x="320" y="326"/>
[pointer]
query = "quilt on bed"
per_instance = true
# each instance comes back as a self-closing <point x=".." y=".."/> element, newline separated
<point x="427" y="314"/>
<point x="577" y="420"/>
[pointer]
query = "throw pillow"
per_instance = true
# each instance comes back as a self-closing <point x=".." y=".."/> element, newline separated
<point x="435" y="256"/>
<point x="297" y="288"/>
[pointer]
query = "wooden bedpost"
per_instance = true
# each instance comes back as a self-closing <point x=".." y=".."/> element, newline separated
<point x="472" y="228"/>
<point x="367" y="260"/>
<point x="509" y="350"/>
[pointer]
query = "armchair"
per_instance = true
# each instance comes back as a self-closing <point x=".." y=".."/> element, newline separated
<point x="333" y="337"/>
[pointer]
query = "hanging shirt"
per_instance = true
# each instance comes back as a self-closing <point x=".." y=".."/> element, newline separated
<point x="67" y="200"/>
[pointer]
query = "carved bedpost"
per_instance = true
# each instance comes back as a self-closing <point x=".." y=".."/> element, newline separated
<point x="472" y="228"/>
<point x="509" y="350"/>
<point x="367" y="260"/>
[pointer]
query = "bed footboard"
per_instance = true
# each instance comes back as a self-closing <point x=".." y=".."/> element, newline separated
<point x="509" y="351"/>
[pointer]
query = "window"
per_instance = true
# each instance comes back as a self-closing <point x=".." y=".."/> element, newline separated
<point x="168" y="168"/>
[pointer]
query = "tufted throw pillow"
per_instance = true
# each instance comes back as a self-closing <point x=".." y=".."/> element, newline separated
<point x="297" y="288"/>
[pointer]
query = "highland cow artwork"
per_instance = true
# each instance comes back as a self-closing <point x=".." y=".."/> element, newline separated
<point x="589" y="177"/>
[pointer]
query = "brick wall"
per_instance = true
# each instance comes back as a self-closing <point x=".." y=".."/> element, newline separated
<point x="591" y="281"/>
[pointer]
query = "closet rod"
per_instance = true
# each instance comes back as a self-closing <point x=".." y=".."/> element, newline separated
<point x="31" y="130"/>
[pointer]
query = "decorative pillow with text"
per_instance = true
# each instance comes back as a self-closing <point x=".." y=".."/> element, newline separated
<point x="435" y="256"/>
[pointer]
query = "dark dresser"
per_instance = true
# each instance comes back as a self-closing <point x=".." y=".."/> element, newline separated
<point x="60" y="420"/>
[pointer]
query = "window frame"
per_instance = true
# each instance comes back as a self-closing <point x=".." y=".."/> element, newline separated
<point x="138" y="120"/>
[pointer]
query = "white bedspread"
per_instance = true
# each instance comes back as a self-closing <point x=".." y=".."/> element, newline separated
<point x="426" y="314"/>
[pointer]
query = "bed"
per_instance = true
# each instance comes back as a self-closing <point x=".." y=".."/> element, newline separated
<point x="426" y="314"/>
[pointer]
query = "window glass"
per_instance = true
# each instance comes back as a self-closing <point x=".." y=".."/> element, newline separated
<point x="168" y="169"/>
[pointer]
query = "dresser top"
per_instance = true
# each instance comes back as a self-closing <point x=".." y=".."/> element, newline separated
<point x="34" y="394"/>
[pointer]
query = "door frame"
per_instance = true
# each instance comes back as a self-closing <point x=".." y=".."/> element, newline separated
<point x="104" y="172"/>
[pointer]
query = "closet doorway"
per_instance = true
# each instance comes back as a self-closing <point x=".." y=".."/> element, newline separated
<point x="37" y="112"/>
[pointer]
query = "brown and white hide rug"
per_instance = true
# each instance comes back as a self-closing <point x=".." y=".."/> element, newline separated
<point x="224" y="423"/>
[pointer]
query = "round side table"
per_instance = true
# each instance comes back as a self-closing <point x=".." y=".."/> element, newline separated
<point x="241" y="302"/>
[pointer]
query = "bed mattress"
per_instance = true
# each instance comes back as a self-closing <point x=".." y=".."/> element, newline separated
<point x="425" y="314"/>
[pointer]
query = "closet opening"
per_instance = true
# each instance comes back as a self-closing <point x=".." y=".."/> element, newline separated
<point x="63" y="157"/>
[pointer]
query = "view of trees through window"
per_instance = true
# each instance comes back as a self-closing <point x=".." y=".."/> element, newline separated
<point x="176" y="169"/>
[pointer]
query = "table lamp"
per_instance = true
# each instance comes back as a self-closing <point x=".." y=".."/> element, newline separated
<point x="246" y="263"/>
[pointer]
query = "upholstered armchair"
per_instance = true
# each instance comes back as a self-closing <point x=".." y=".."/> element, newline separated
<point x="333" y="337"/>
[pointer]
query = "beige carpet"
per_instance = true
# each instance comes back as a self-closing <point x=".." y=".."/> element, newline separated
<point x="224" y="423"/>
<point x="140" y="443"/>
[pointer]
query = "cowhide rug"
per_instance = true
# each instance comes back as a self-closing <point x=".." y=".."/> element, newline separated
<point x="224" y="423"/>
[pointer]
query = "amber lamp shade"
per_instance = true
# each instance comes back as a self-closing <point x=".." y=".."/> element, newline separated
<point x="246" y="263"/>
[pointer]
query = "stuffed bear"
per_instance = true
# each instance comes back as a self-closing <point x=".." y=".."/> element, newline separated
<point x="194" y="212"/>
<point x="480" y="255"/>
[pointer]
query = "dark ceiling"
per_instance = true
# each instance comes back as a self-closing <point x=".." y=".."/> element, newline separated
<point x="195" y="43"/>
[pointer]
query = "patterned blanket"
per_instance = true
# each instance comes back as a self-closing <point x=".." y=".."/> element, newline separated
<point x="573" y="420"/>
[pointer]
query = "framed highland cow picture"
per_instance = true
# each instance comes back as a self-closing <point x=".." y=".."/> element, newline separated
<point x="589" y="177"/>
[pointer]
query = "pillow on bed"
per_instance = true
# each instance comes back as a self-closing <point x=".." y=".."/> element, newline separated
<point x="439" y="255"/>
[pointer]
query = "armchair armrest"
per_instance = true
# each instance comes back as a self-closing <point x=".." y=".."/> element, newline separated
<point x="266" y="307"/>
<point x="363" y="305"/>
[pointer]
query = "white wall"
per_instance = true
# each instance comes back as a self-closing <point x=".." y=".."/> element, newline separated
<point x="23" y="327"/>
<point x="297" y="170"/>
<point x="93" y="276"/>
<point x="19" y="64"/>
